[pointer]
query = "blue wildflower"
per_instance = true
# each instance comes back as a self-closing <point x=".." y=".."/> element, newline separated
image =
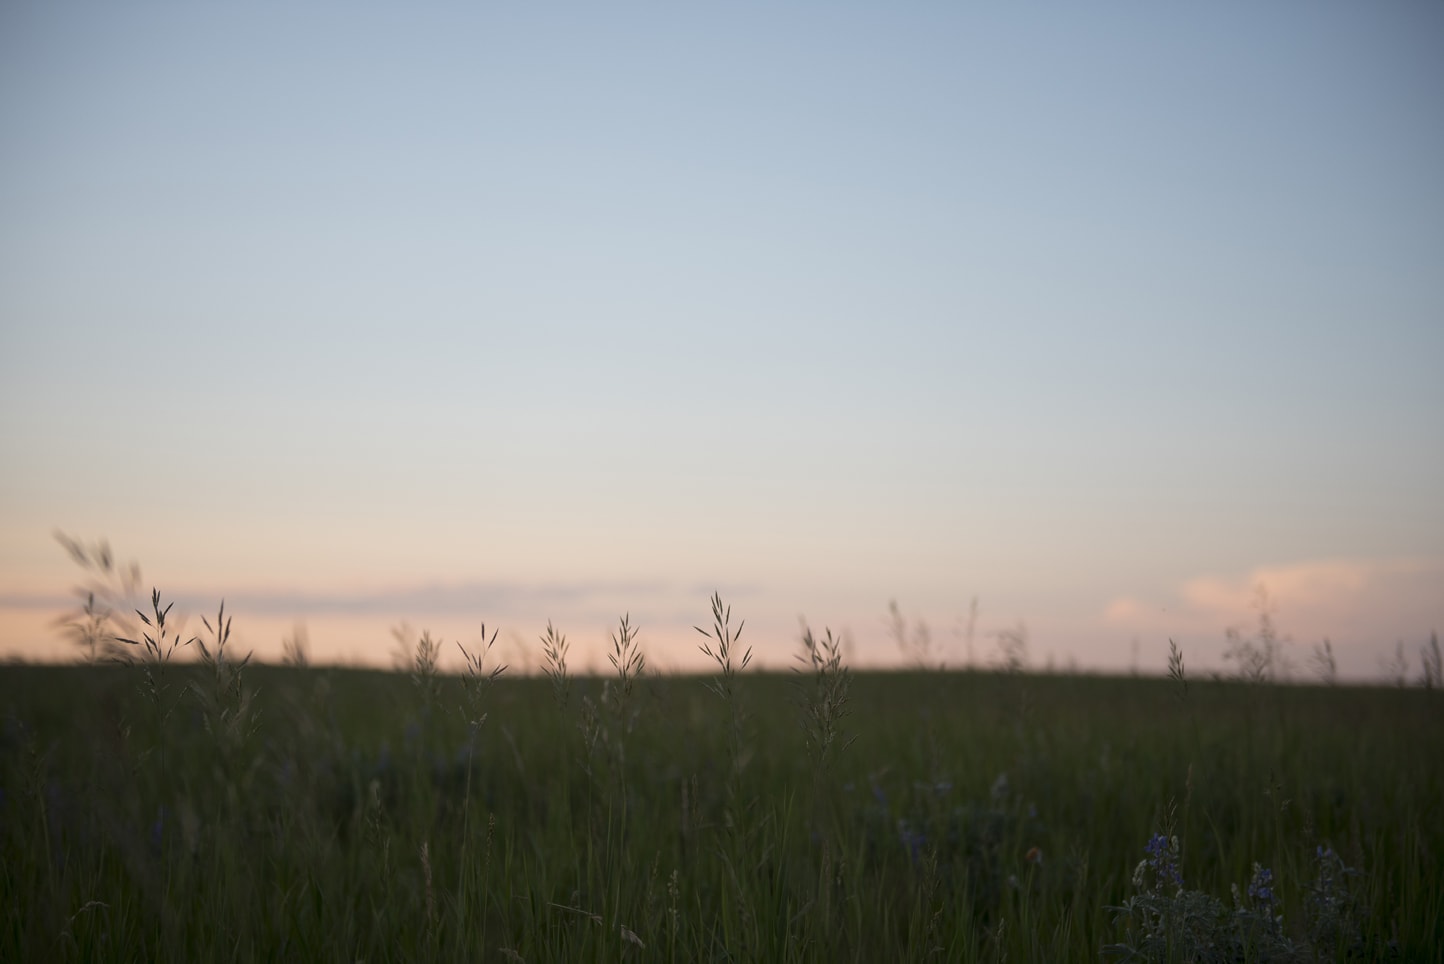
<point x="1260" y="888"/>
<point x="1330" y="891"/>
<point x="1163" y="859"/>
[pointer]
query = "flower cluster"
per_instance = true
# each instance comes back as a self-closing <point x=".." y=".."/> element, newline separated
<point x="1331" y="908"/>
<point x="1163" y="861"/>
<point x="1165" y="922"/>
<point x="1256" y="918"/>
<point x="1260" y="888"/>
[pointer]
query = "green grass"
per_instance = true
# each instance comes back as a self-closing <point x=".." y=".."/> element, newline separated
<point x="329" y="814"/>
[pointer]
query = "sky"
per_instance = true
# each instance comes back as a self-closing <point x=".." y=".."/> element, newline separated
<point x="1102" y="316"/>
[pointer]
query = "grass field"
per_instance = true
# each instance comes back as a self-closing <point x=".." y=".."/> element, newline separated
<point x="187" y="812"/>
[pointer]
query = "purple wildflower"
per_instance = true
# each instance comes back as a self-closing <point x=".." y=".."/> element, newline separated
<point x="1261" y="888"/>
<point x="1330" y="892"/>
<point x="1163" y="859"/>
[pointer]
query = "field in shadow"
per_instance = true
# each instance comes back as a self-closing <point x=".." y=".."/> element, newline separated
<point x="219" y="811"/>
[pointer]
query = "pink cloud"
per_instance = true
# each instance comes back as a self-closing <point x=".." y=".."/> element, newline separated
<point x="1125" y="609"/>
<point x="1362" y="605"/>
<point x="1307" y="585"/>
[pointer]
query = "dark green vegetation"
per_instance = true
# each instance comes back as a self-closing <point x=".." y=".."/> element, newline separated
<point x="346" y="815"/>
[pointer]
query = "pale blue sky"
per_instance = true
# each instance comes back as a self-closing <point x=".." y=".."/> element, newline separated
<point x="572" y="311"/>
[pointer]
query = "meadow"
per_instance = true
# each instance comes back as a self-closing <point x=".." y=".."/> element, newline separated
<point x="177" y="809"/>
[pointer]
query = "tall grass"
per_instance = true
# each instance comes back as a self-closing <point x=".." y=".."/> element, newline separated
<point x="327" y="814"/>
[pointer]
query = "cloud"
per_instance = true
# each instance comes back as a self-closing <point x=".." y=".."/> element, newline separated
<point x="1363" y="604"/>
<point x="438" y="598"/>
<point x="1125" y="609"/>
<point x="1305" y="585"/>
<point x="474" y="597"/>
<point x="36" y="600"/>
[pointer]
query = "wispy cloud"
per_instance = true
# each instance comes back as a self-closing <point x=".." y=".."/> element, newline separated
<point x="438" y="597"/>
<point x="36" y="600"/>
<point x="1305" y="586"/>
<point x="429" y="598"/>
<point x="1356" y="602"/>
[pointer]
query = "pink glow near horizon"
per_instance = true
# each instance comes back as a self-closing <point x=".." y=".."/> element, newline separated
<point x="1362" y="608"/>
